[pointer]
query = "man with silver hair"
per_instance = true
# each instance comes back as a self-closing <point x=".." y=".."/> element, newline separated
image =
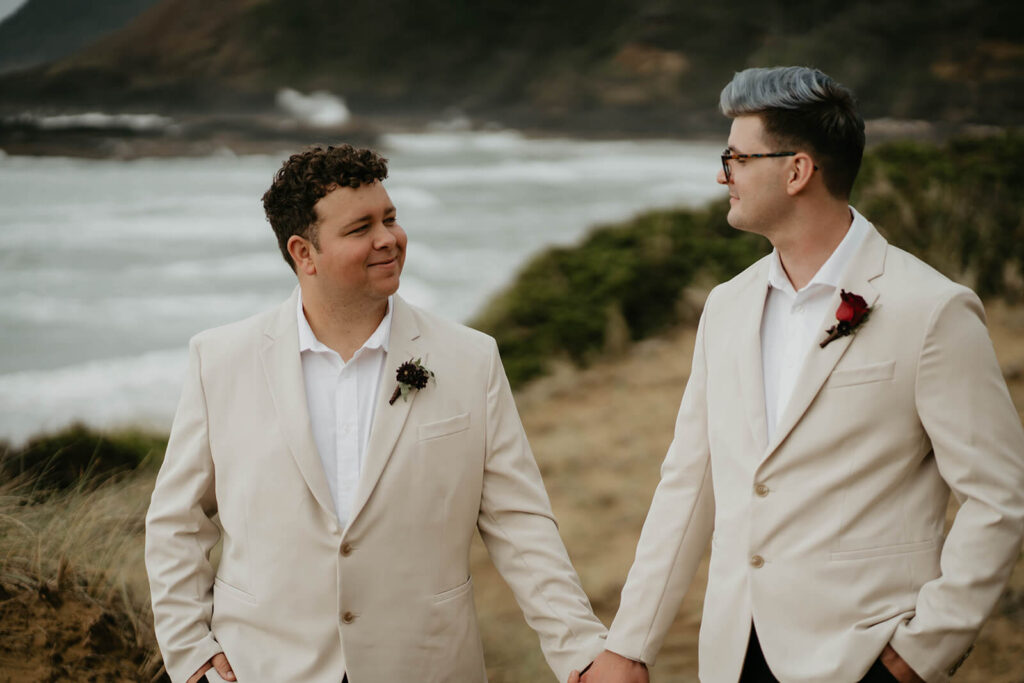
<point x="840" y="390"/>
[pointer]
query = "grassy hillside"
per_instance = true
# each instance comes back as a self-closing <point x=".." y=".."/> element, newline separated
<point x="957" y="206"/>
<point x="44" y="30"/>
<point x="74" y="601"/>
<point x="624" y="65"/>
<point x="622" y="283"/>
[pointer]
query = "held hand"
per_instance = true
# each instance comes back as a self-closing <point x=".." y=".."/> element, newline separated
<point x="218" y="662"/>
<point x="898" y="667"/>
<point x="612" y="668"/>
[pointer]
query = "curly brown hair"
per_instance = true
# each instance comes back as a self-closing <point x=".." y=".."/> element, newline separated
<point x="308" y="176"/>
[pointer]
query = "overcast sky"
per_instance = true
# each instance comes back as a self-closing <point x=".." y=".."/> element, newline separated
<point x="8" y="6"/>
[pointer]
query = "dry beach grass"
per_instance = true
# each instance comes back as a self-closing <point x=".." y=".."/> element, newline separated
<point x="73" y="601"/>
<point x="73" y="592"/>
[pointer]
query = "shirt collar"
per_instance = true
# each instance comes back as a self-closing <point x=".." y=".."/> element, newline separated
<point x="830" y="272"/>
<point x="378" y="340"/>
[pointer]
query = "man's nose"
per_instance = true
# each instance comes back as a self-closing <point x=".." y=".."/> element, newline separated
<point x="720" y="177"/>
<point x="383" y="237"/>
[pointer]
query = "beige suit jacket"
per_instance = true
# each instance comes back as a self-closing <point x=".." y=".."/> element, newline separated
<point x="389" y="598"/>
<point x="830" y="537"/>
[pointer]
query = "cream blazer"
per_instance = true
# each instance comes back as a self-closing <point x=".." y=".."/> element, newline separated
<point x="390" y="597"/>
<point x="830" y="537"/>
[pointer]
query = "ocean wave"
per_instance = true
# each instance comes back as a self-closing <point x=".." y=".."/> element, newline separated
<point x="406" y="196"/>
<point x="454" y="141"/>
<point x="132" y="391"/>
<point x="319" y="109"/>
<point x="489" y="175"/>
<point x="127" y="311"/>
<point x="265" y="265"/>
<point x="95" y="120"/>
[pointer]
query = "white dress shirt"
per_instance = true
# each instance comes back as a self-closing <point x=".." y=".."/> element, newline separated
<point x="792" y="322"/>
<point x="341" y="398"/>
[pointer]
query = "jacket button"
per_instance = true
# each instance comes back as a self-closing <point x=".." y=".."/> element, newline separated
<point x="757" y="562"/>
<point x="348" y="618"/>
<point x="346" y="549"/>
<point x="761" y="490"/>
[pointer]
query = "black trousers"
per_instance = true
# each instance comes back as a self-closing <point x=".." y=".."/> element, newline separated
<point x="755" y="668"/>
<point x="204" y="679"/>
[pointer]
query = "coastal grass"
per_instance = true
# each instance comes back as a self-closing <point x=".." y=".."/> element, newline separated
<point x="623" y="283"/>
<point x="77" y="457"/>
<point x="958" y="206"/>
<point x="73" y="592"/>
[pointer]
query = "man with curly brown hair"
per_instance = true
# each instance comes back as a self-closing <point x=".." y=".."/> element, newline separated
<point x="349" y="445"/>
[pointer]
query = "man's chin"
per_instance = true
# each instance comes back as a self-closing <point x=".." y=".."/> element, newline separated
<point x="734" y="220"/>
<point x="388" y="288"/>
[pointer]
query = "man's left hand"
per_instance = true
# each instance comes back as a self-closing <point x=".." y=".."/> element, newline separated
<point x="898" y="667"/>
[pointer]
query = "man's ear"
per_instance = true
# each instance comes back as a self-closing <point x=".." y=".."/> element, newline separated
<point x="301" y="251"/>
<point x="801" y="171"/>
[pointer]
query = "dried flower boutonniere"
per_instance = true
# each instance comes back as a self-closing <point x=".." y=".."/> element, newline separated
<point x="852" y="311"/>
<point x="410" y="375"/>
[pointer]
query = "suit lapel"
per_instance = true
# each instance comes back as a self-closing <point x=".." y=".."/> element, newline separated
<point x="283" y="367"/>
<point x="867" y="264"/>
<point x="748" y="354"/>
<point x="389" y="418"/>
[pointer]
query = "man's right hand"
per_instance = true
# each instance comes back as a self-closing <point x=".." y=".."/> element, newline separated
<point x="218" y="662"/>
<point x="612" y="668"/>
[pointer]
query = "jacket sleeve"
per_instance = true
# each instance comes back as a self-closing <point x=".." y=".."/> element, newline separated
<point x="978" y="444"/>
<point x="677" y="529"/>
<point x="521" y="535"/>
<point x="180" y="534"/>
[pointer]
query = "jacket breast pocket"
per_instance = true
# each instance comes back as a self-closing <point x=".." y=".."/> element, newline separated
<point x="876" y="372"/>
<point x="451" y="425"/>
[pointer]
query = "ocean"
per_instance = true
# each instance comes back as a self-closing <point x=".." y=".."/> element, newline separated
<point x="107" y="268"/>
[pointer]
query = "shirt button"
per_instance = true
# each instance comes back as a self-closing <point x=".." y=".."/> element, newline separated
<point x="757" y="562"/>
<point x="799" y="308"/>
<point x="761" y="490"/>
<point x="346" y="549"/>
<point x="348" y="618"/>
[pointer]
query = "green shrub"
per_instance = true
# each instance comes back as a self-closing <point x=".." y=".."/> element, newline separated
<point x="957" y="206"/>
<point x="78" y="457"/>
<point x="564" y="301"/>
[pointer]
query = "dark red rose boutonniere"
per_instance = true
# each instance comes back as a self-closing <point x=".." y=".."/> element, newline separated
<point x="411" y="376"/>
<point x="852" y="311"/>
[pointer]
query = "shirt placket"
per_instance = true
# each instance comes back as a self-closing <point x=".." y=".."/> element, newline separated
<point x="347" y="421"/>
<point x="791" y="352"/>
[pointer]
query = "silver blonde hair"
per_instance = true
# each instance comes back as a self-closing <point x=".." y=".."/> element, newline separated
<point x="753" y="91"/>
<point x="803" y="107"/>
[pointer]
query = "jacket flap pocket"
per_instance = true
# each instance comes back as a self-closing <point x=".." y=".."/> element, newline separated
<point x="234" y="591"/>
<point x="886" y="550"/>
<point x="452" y="593"/>
<point x="451" y="425"/>
<point x="877" y="372"/>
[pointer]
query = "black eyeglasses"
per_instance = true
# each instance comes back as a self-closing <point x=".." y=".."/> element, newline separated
<point x="728" y="155"/>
